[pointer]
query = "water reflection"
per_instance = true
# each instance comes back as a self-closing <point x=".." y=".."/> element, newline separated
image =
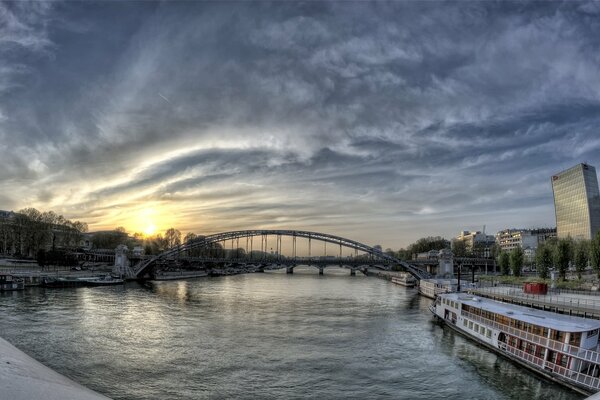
<point x="265" y="336"/>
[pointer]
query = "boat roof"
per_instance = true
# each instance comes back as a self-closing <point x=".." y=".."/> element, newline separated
<point x="547" y="319"/>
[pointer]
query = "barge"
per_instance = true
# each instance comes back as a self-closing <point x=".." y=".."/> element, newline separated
<point x="10" y="283"/>
<point x="559" y="347"/>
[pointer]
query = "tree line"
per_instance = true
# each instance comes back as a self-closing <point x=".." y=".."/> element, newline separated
<point x="555" y="253"/>
<point x="26" y="232"/>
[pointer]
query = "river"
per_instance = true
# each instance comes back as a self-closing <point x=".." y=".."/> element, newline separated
<point x="260" y="336"/>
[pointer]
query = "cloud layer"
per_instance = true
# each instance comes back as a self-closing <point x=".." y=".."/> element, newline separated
<point x="382" y="122"/>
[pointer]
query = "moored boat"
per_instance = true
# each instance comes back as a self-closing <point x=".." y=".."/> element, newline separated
<point x="404" y="280"/>
<point x="560" y="347"/>
<point x="9" y="283"/>
<point x="106" y="280"/>
<point x="50" y="282"/>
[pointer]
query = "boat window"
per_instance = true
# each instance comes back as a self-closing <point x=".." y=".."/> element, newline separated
<point x="557" y="335"/>
<point x="545" y="332"/>
<point x="592" y="333"/>
<point x="563" y="360"/>
<point x="488" y="333"/>
<point x="530" y="348"/>
<point x="476" y="328"/>
<point x="539" y="351"/>
<point x="470" y="324"/>
<point x="465" y="322"/>
<point x="575" y="338"/>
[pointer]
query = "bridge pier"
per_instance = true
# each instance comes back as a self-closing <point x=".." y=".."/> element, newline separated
<point x="352" y="272"/>
<point x="321" y="270"/>
<point x="289" y="270"/>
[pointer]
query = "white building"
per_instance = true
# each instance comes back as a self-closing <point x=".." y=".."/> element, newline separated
<point x="510" y="239"/>
<point x="477" y="242"/>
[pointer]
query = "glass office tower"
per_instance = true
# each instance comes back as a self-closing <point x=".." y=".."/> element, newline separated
<point x="577" y="202"/>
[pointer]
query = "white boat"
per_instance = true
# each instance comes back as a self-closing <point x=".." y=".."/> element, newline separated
<point x="433" y="287"/>
<point x="560" y="347"/>
<point x="405" y="280"/>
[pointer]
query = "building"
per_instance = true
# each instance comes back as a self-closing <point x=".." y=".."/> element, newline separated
<point x="577" y="202"/>
<point x="477" y="243"/>
<point x="510" y="239"/>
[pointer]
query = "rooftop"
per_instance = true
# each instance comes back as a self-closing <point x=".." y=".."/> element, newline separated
<point x="547" y="319"/>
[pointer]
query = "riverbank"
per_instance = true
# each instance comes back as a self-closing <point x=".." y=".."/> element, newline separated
<point x="23" y="378"/>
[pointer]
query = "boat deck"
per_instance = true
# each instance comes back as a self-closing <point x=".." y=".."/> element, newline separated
<point x="587" y="306"/>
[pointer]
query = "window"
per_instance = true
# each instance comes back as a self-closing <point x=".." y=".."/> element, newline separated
<point x="575" y="338"/>
<point x="465" y="322"/>
<point x="488" y="333"/>
<point x="557" y="335"/>
<point x="592" y="333"/>
<point x="563" y="360"/>
<point x="470" y="324"/>
<point x="539" y="352"/>
<point x="476" y="328"/>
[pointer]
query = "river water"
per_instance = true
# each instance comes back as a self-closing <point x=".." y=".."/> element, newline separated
<point x="260" y="336"/>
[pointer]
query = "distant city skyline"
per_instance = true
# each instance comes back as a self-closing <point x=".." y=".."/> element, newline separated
<point x="380" y="122"/>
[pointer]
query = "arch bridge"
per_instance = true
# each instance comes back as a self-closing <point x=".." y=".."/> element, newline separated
<point x="375" y="257"/>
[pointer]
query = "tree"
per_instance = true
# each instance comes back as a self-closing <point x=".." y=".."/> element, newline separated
<point x="516" y="261"/>
<point x="495" y="250"/>
<point x="582" y="250"/>
<point x="543" y="260"/>
<point x="429" y="243"/>
<point x="562" y="256"/>
<point x="172" y="237"/>
<point x="459" y="248"/>
<point x="504" y="263"/>
<point x="595" y="253"/>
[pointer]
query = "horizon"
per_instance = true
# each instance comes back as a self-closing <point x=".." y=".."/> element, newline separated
<point x="379" y="122"/>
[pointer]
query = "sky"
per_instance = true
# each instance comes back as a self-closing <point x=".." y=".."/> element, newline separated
<point x="382" y="122"/>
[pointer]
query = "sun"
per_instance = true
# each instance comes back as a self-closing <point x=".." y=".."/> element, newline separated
<point x="150" y="229"/>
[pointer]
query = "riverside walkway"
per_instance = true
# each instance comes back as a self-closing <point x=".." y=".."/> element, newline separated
<point x="579" y="304"/>
<point x="23" y="378"/>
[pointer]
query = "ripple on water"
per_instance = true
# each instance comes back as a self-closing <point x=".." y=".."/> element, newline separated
<point x="261" y="336"/>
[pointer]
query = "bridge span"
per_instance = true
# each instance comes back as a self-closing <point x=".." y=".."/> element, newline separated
<point x="370" y="255"/>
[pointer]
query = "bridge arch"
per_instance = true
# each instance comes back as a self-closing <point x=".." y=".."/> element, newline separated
<point x="204" y="242"/>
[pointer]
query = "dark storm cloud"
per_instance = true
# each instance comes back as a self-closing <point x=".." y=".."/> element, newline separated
<point x="391" y="115"/>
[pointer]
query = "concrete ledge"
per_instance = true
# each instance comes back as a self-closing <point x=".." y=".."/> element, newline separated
<point x="23" y="378"/>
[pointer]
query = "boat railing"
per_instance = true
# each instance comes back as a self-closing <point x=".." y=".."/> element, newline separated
<point x="549" y="299"/>
<point x="574" y="351"/>
<point x="575" y="376"/>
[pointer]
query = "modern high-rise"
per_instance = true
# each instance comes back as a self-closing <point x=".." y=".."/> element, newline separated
<point x="577" y="202"/>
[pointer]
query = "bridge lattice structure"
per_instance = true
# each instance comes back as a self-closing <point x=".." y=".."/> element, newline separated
<point x="375" y="258"/>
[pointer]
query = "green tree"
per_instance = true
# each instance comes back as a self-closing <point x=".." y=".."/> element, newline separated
<point x="543" y="260"/>
<point x="429" y="243"/>
<point x="504" y="263"/>
<point x="595" y="253"/>
<point x="582" y="251"/>
<point x="562" y="256"/>
<point x="516" y="261"/>
<point x="459" y="248"/>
